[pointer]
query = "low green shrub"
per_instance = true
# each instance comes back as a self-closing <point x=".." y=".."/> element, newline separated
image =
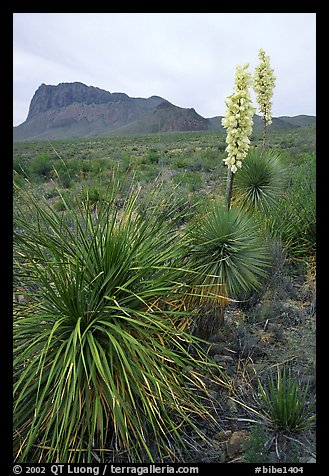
<point x="192" y="181"/>
<point x="287" y="404"/>
<point x="41" y="167"/>
<point x="293" y="220"/>
<point x="255" y="450"/>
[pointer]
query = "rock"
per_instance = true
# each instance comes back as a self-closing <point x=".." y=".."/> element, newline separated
<point x="237" y="442"/>
<point x="227" y="359"/>
<point x="213" y="394"/>
<point x="222" y="435"/>
<point x="217" y="454"/>
<point x="222" y="457"/>
<point x="307" y="459"/>
<point x="223" y="359"/>
<point x="216" y="349"/>
<point x="232" y="406"/>
<point x="218" y="358"/>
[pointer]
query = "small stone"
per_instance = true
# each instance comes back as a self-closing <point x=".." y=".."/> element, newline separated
<point x="223" y="435"/>
<point x="213" y="394"/>
<point x="216" y="349"/>
<point x="232" y="406"/>
<point x="222" y="457"/>
<point x="237" y="443"/>
<point x="218" y="358"/>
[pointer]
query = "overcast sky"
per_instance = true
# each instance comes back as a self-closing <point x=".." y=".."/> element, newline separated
<point x="187" y="58"/>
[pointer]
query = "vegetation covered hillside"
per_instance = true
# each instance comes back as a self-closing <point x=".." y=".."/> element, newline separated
<point x="112" y="302"/>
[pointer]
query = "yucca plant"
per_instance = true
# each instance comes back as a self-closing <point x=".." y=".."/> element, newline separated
<point x="293" y="220"/>
<point x="260" y="182"/>
<point x="226" y="257"/>
<point x="287" y="404"/>
<point x="103" y="367"/>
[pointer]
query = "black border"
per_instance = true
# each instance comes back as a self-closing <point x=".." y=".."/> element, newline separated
<point x="7" y="12"/>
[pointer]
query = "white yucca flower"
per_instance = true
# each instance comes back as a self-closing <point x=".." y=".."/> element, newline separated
<point x="263" y="84"/>
<point x="238" y="119"/>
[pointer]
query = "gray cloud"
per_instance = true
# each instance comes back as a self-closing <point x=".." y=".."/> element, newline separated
<point x="187" y="58"/>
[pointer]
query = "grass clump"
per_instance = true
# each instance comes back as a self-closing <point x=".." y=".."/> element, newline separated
<point x="102" y="363"/>
<point x="288" y="405"/>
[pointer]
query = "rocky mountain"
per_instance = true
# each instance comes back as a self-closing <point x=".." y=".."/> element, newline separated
<point x="282" y="122"/>
<point x="73" y="110"/>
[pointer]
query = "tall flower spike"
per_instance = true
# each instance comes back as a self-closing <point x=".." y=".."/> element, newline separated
<point x="238" y="119"/>
<point x="263" y="84"/>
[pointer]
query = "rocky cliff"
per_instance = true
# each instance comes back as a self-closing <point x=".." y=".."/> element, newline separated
<point x="73" y="110"/>
<point x="76" y="110"/>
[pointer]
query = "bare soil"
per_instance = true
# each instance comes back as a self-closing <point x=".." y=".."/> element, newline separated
<point x="279" y="329"/>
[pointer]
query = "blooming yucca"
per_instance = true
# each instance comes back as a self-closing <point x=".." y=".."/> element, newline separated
<point x="238" y="119"/>
<point x="263" y="84"/>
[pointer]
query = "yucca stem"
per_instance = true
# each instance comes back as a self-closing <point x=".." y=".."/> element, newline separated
<point x="265" y="135"/>
<point x="229" y="185"/>
<point x="207" y="328"/>
<point x="215" y="322"/>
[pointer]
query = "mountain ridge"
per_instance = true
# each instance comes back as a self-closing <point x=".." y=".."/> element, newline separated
<point x="74" y="110"/>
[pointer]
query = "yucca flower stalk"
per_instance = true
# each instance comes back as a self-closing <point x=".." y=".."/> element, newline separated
<point x="263" y="84"/>
<point x="238" y="122"/>
<point x="103" y="369"/>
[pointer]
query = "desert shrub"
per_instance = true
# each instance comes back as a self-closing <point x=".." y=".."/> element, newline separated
<point x="41" y="167"/>
<point x="64" y="202"/>
<point x="287" y="404"/>
<point x="293" y="221"/>
<point x="255" y="449"/>
<point x="153" y="156"/>
<point x="20" y="166"/>
<point x="125" y="163"/>
<point x="180" y="162"/>
<point x="18" y="181"/>
<point x="192" y="181"/>
<point x="147" y="173"/>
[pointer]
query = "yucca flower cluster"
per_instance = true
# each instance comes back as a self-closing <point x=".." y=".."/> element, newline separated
<point x="238" y="119"/>
<point x="263" y="84"/>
